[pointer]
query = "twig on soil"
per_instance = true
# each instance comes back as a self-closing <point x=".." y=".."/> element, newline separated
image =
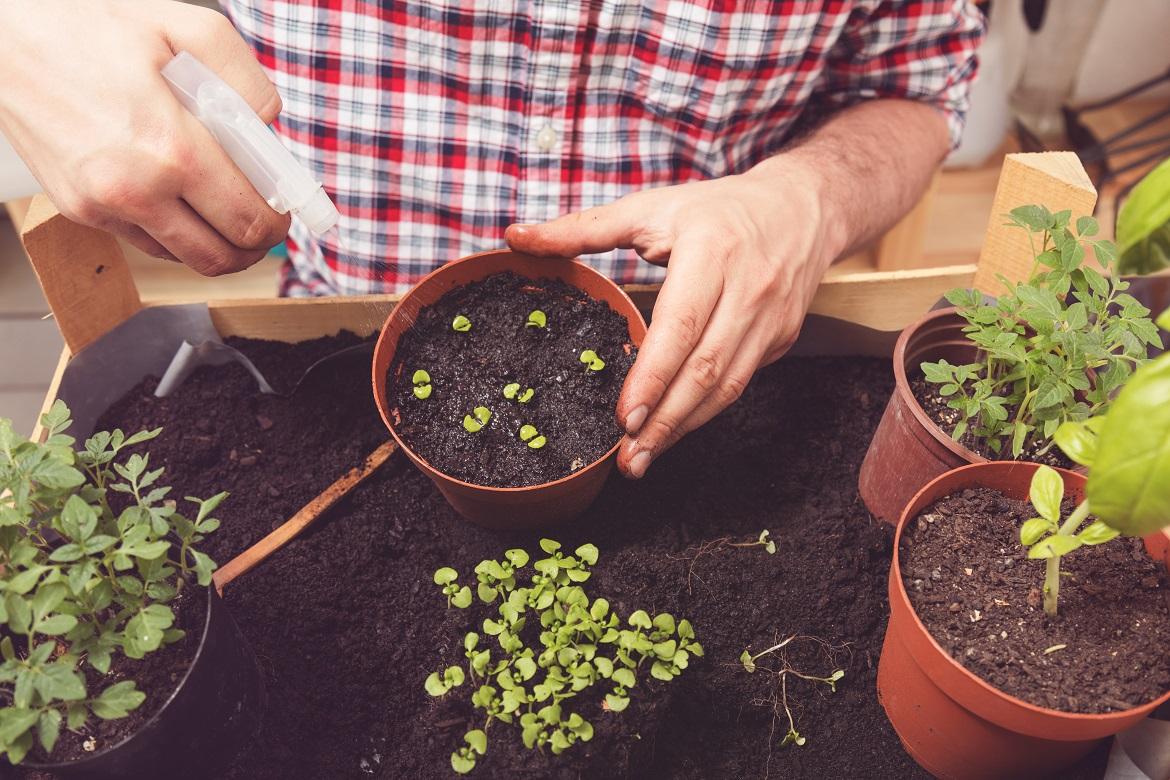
<point x="715" y="545"/>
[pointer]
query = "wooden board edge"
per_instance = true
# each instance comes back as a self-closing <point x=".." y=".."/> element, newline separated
<point x="38" y="432"/>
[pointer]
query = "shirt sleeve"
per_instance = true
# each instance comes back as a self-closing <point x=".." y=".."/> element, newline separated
<point x="920" y="50"/>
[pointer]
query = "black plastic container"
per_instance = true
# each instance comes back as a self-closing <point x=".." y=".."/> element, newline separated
<point x="215" y="710"/>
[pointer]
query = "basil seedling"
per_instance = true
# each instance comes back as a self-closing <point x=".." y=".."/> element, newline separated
<point x="536" y="319"/>
<point x="474" y="422"/>
<point x="592" y="362"/>
<point x="546" y="642"/>
<point x="460" y="323"/>
<point x="512" y="391"/>
<point x="422" y="384"/>
<point x="528" y="433"/>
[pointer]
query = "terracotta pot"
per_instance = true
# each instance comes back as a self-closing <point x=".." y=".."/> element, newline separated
<point x="215" y="710"/>
<point x="908" y="449"/>
<point x="514" y="507"/>
<point x="955" y="725"/>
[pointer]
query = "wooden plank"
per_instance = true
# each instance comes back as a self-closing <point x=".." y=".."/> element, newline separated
<point x="901" y="246"/>
<point x="1056" y="180"/>
<point x="16" y="210"/>
<point x="38" y="432"/>
<point x="82" y="272"/>
<point x="298" y="319"/>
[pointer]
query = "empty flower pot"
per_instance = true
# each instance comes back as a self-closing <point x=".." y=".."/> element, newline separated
<point x="953" y="723"/>
<point x="909" y="449"/>
<point x="215" y="710"/>
<point x="530" y="506"/>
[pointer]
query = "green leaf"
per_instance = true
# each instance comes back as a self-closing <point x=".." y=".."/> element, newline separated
<point x="1078" y="440"/>
<point x="462" y="599"/>
<point x="511" y="390"/>
<point x="461" y="324"/>
<point x="623" y="677"/>
<point x="445" y="575"/>
<point x="1034" y="530"/>
<point x="1131" y="469"/>
<point x="536" y="319"/>
<point x="15" y="721"/>
<point x="527" y="432"/>
<point x="749" y="663"/>
<point x="661" y="671"/>
<point x="462" y="764"/>
<point x="476" y="740"/>
<point x="59" y="682"/>
<point x="1143" y="235"/>
<point x="1035" y="218"/>
<point x="1097" y="532"/>
<point x="435" y="685"/>
<point x="118" y="700"/>
<point x="56" y="625"/>
<point x="549" y="546"/>
<point x="587" y="553"/>
<point x="615" y="703"/>
<point x="1054" y="546"/>
<point x="1046" y="493"/>
<point x="640" y="619"/>
<point x="49" y="729"/>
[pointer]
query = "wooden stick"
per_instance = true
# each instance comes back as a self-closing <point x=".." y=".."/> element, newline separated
<point x="254" y="555"/>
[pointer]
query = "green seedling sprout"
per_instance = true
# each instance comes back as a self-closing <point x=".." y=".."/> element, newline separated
<point x="761" y="541"/>
<point x="513" y="392"/>
<point x="528" y="433"/>
<point x="422" y="384"/>
<point x="748" y="661"/>
<point x="473" y="424"/>
<point x="1049" y="538"/>
<point x="536" y="319"/>
<point x="529" y="678"/>
<point x="457" y="596"/>
<point x="460" y="324"/>
<point x="592" y="362"/>
<point x="463" y="759"/>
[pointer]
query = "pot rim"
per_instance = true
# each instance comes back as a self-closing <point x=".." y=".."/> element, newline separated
<point x="383" y="402"/>
<point x="955" y="667"/>
<point x="902" y="386"/>
<point x="96" y="755"/>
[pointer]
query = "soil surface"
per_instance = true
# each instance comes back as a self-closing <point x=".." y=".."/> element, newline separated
<point x="157" y="675"/>
<point x="947" y="418"/>
<point x="572" y="407"/>
<point x="348" y="623"/>
<point x="979" y="595"/>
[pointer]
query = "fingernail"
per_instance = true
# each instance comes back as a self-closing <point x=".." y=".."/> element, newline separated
<point x="639" y="464"/>
<point x="635" y="419"/>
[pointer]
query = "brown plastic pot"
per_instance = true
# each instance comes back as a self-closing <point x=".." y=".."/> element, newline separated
<point x="908" y="449"/>
<point x="531" y="506"/>
<point x="954" y="724"/>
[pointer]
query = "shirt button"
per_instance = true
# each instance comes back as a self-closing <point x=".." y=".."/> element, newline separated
<point x="546" y="139"/>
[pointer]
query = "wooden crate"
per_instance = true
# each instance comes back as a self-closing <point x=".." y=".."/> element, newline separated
<point x="90" y="288"/>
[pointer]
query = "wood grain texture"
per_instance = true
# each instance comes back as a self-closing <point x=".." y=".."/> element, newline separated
<point x="1056" y="180"/>
<point x="82" y="272"/>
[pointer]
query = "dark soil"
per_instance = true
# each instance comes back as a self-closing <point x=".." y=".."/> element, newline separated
<point x="972" y="584"/>
<point x="947" y="418"/>
<point x="348" y="623"/>
<point x="572" y="408"/>
<point x="157" y="675"/>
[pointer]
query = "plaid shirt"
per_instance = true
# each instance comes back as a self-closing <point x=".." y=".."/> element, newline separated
<point x="435" y="124"/>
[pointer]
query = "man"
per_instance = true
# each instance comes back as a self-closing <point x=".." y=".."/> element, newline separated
<point x="665" y="127"/>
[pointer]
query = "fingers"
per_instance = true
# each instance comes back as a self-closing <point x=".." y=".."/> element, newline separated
<point x="212" y="40"/>
<point x="184" y="235"/>
<point x="599" y="229"/>
<point x="710" y="378"/>
<point x="685" y="303"/>
<point x="225" y="199"/>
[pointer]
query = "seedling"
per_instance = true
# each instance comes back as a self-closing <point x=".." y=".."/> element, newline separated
<point x="460" y="324"/>
<point x="474" y="422"/>
<point x="422" y="384"/>
<point x="85" y="582"/>
<point x="715" y="545"/>
<point x="529" y="434"/>
<point x="592" y="362"/>
<point x="1051" y="350"/>
<point x="463" y="759"/>
<point x="781" y="673"/>
<point x="536" y="319"/>
<point x="513" y="392"/>
<point x="457" y="596"/>
<point x="579" y="644"/>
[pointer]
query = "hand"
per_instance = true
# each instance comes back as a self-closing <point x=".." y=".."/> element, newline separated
<point x="744" y="255"/>
<point x="85" y="106"/>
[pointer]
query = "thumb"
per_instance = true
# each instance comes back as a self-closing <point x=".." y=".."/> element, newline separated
<point x="599" y="229"/>
<point x="210" y="38"/>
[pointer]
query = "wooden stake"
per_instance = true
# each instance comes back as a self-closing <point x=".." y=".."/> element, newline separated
<point x="1056" y="180"/>
<point x="82" y="271"/>
<point x="292" y="528"/>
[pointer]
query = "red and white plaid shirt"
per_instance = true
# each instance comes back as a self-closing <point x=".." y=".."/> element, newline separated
<point x="435" y="124"/>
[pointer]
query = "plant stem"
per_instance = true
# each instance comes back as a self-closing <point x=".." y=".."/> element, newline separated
<point x="773" y="648"/>
<point x="1052" y="565"/>
<point x="1075" y="519"/>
